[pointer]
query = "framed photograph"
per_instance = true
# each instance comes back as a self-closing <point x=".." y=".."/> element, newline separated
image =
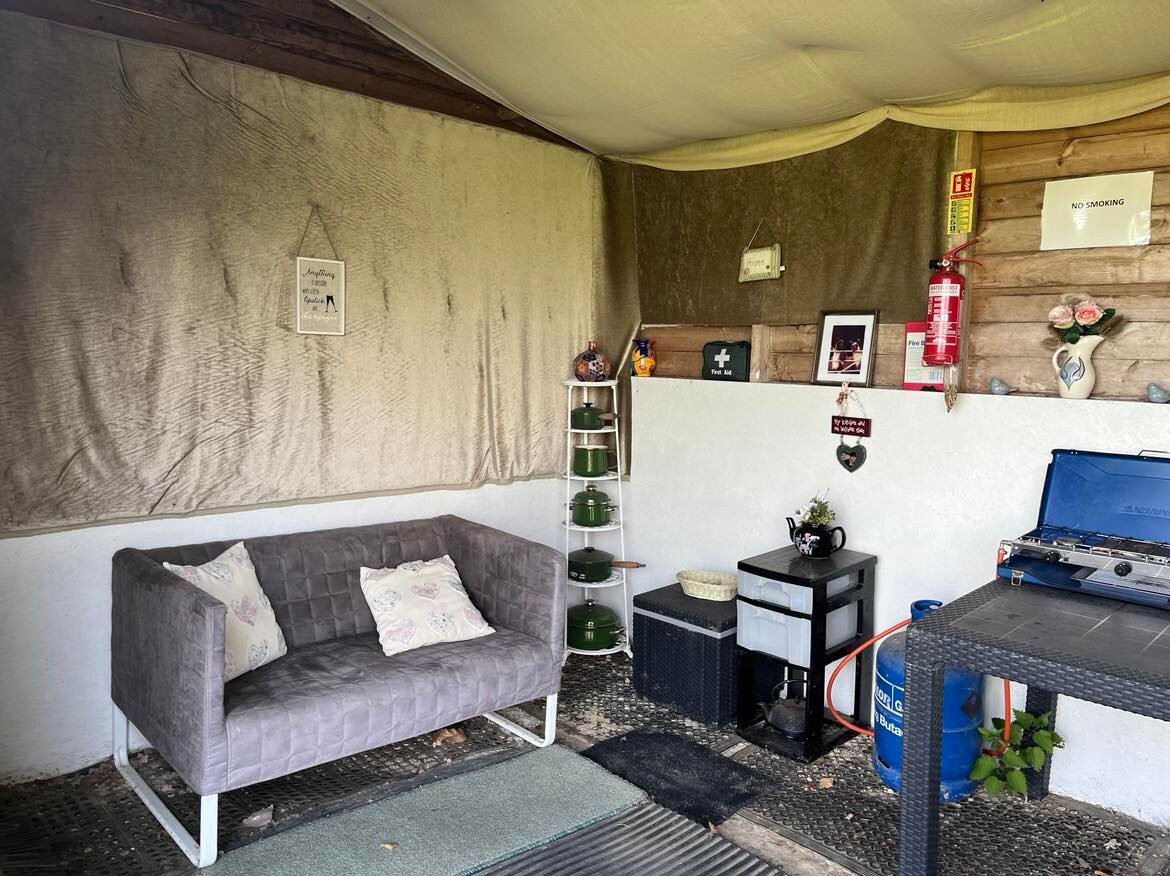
<point x="320" y="297"/>
<point x="846" y="343"/>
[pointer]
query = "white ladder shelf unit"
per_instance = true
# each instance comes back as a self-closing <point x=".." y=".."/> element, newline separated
<point x="585" y="534"/>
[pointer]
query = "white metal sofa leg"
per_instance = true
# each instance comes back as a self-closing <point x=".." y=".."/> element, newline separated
<point x="550" y="725"/>
<point x="201" y="853"/>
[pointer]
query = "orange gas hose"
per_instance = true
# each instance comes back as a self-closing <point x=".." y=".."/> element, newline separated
<point x="1007" y="689"/>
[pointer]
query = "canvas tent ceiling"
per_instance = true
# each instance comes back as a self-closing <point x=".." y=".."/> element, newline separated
<point x="643" y="77"/>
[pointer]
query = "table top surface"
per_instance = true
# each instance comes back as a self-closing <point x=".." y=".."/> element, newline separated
<point x="670" y="601"/>
<point x="787" y="564"/>
<point x="1072" y="627"/>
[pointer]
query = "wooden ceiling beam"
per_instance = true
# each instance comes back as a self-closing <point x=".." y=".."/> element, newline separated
<point x="311" y="40"/>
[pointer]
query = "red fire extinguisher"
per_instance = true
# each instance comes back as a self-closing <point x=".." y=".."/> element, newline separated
<point x="944" y="308"/>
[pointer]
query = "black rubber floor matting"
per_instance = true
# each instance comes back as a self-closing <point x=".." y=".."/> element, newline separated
<point x="91" y="822"/>
<point x="838" y="807"/>
<point x="649" y="840"/>
<point x="681" y="775"/>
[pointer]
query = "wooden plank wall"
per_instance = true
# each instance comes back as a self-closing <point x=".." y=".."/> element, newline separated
<point x="1017" y="283"/>
<point x="780" y="353"/>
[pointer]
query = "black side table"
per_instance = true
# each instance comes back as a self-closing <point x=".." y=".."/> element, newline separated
<point x="850" y="575"/>
<point x="1088" y="647"/>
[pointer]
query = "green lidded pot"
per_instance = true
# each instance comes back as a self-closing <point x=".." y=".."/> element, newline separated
<point x="592" y="626"/>
<point x="591" y="507"/>
<point x="591" y="460"/>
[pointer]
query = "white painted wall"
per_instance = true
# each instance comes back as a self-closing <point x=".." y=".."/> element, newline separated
<point x="55" y="623"/>
<point x="718" y="466"/>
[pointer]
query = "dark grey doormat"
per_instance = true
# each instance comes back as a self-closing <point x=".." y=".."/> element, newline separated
<point x="680" y="774"/>
<point x="91" y="822"/>
<point x="647" y="840"/>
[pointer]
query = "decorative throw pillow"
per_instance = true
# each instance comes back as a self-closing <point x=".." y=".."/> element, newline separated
<point x="420" y="603"/>
<point x="252" y="637"/>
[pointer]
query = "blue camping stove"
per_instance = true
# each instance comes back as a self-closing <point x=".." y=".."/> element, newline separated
<point x="1104" y="528"/>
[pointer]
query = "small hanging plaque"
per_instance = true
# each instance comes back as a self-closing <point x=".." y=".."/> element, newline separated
<point x="851" y="426"/>
<point x="320" y="292"/>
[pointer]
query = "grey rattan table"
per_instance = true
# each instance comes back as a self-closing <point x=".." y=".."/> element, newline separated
<point x="1088" y="647"/>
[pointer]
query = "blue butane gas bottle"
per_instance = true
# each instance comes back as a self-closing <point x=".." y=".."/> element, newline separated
<point x="962" y="716"/>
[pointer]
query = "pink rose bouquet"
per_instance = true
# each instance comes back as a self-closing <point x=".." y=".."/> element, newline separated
<point x="1073" y="321"/>
<point x="1062" y="317"/>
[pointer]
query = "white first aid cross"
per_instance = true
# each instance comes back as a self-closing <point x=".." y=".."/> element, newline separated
<point x="723" y="358"/>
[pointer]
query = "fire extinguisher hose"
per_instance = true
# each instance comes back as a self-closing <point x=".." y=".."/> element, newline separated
<point x="848" y="658"/>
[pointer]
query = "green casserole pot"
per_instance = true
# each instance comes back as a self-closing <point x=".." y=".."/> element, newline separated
<point x="591" y="507"/>
<point x="592" y="627"/>
<point x="588" y="565"/>
<point x="588" y="417"/>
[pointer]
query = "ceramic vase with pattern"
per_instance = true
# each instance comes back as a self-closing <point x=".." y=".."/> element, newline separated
<point x="1075" y="376"/>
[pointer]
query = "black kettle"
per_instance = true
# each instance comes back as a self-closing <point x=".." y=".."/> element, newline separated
<point x="787" y="715"/>
<point x="814" y="540"/>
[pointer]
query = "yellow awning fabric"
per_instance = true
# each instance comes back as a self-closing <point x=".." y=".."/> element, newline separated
<point x="699" y="84"/>
<point x="993" y="109"/>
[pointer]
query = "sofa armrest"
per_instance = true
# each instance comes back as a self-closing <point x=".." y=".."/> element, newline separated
<point x="516" y="583"/>
<point x="167" y="664"/>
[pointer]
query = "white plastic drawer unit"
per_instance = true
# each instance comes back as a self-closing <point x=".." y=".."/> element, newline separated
<point x="788" y="637"/>
<point x="790" y="596"/>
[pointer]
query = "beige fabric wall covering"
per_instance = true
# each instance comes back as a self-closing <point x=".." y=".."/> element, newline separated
<point x="856" y="224"/>
<point x="152" y="206"/>
<point x="640" y="78"/>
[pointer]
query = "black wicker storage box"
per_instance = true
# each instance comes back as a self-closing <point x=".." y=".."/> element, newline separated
<point x="685" y="655"/>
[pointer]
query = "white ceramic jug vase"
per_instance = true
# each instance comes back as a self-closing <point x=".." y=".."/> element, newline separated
<point x="1075" y="376"/>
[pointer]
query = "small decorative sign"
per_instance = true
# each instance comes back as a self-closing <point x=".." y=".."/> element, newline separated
<point x="320" y="296"/>
<point x="961" y="202"/>
<point x="916" y="375"/>
<point x="1111" y="210"/>
<point x="859" y="426"/>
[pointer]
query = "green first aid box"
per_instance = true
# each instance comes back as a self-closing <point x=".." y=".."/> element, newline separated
<point x="726" y="360"/>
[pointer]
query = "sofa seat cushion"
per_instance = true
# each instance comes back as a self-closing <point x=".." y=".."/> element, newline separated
<point x="338" y="697"/>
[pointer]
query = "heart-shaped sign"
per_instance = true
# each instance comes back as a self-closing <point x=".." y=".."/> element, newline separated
<point x="851" y="458"/>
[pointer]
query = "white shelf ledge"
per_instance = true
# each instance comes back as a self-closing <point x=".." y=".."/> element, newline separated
<point x="608" y="527"/>
<point x="612" y="476"/>
<point x="614" y="580"/>
<point x="589" y="384"/>
<point x="598" y="653"/>
<point x="606" y="430"/>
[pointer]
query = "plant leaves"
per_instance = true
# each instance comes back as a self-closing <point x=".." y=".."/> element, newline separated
<point x="997" y="723"/>
<point x="983" y="767"/>
<point x="1016" y="782"/>
<point x="1013" y="758"/>
<point x="1024" y="719"/>
<point x="1072" y="335"/>
<point x="1017" y="734"/>
<point x="1045" y="740"/>
<point x="1044" y="719"/>
<point x="1035" y="756"/>
<point x="1057" y="739"/>
<point x="990" y="734"/>
<point x="993" y="785"/>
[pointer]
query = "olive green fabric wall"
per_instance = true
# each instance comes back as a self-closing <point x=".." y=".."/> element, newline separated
<point x="857" y="224"/>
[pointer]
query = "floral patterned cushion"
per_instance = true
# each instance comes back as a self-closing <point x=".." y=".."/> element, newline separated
<point x="420" y="603"/>
<point x="252" y="635"/>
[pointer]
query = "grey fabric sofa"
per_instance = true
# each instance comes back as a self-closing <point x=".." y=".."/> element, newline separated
<point x="334" y="693"/>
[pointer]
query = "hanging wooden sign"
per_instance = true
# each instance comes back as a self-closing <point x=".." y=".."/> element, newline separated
<point x="859" y="426"/>
<point x="320" y="291"/>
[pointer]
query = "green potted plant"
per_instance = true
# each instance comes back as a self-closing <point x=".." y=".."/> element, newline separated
<point x="1030" y="742"/>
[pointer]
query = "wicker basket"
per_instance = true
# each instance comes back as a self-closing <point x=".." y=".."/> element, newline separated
<point x="716" y="586"/>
